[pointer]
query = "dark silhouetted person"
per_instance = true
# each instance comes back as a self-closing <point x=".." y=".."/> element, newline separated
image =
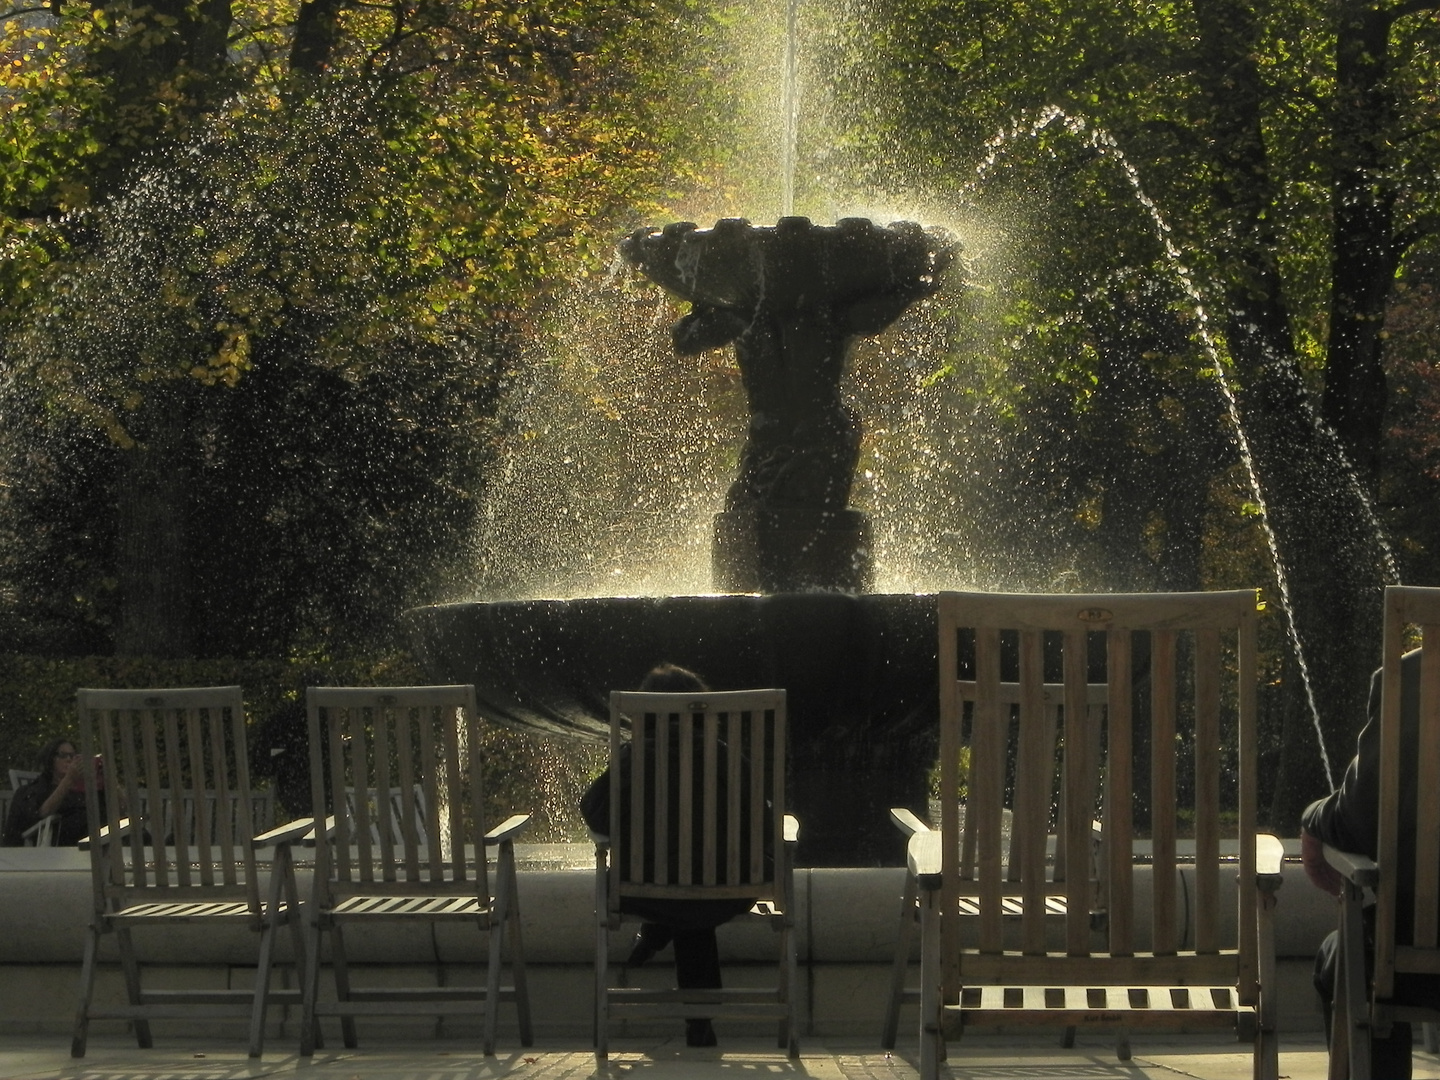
<point x="59" y="789"/>
<point x="689" y="924"/>
<point x="1348" y="819"/>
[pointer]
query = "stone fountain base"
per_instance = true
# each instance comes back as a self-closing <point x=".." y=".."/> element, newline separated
<point x="860" y="672"/>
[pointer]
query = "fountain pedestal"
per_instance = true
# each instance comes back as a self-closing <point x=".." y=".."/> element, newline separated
<point x="768" y="551"/>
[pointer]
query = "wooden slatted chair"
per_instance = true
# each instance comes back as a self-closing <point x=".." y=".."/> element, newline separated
<point x="1056" y="898"/>
<point x="704" y="821"/>
<point x="1407" y="833"/>
<point x="165" y="745"/>
<point x="44" y="831"/>
<point x="422" y="861"/>
<point x="1196" y="973"/>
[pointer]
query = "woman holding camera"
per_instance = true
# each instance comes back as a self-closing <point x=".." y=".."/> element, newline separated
<point x="59" y="789"/>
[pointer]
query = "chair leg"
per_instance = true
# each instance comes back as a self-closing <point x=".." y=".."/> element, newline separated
<point x="81" y="1033"/>
<point x="1350" y="981"/>
<point x="498" y="924"/>
<point x="261" y="1000"/>
<point x="792" y="992"/>
<point x="342" y="984"/>
<point x="902" y="962"/>
<point x="602" y="962"/>
<point x="517" y="958"/>
<point x="131" y="968"/>
<point x="931" y="1032"/>
<point x="309" y="988"/>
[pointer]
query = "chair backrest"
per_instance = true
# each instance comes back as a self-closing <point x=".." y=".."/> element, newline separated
<point x="1132" y="645"/>
<point x="1408" y="763"/>
<point x="408" y="759"/>
<point x="156" y="748"/>
<point x="697" y="800"/>
<point x="20" y="777"/>
<point x="1052" y="696"/>
<point x="220" y="810"/>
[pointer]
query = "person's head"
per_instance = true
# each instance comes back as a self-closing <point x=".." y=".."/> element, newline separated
<point x="672" y="679"/>
<point x="54" y="757"/>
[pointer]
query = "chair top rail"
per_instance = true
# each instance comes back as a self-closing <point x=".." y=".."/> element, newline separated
<point x="1100" y="611"/>
<point x="386" y="696"/>
<point x="157" y="698"/>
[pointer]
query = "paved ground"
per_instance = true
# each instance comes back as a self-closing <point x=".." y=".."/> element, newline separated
<point x="988" y="1057"/>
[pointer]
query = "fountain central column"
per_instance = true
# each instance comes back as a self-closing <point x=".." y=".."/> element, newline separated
<point x="792" y="299"/>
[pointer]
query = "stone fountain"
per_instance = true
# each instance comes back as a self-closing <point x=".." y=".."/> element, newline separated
<point x="792" y="557"/>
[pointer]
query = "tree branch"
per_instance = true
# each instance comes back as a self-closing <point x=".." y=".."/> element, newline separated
<point x="20" y="13"/>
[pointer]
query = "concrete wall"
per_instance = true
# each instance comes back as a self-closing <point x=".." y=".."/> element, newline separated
<point x="847" y="921"/>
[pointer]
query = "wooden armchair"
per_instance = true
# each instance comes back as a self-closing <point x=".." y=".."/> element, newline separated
<point x="703" y="819"/>
<point x="165" y="748"/>
<point x="43" y="832"/>
<point x="415" y="752"/>
<point x="1189" y="973"/>
<point x="1405" y="875"/>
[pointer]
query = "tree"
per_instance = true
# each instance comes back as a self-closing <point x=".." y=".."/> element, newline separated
<point x="1289" y="150"/>
<point x="208" y="215"/>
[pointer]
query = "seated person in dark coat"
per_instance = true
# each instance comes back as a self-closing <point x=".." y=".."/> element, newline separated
<point x="59" y="789"/>
<point x="1348" y="819"/>
<point x="690" y="924"/>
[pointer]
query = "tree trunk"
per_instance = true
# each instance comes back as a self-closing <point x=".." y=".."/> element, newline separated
<point x="1328" y="545"/>
<point x="1364" y="253"/>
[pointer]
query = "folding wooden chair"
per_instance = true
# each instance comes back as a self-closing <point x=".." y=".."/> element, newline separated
<point x="415" y="752"/>
<point x="702" y="820"/>
<point x="1194" y="973"/>
<point x="1407" y="835"/>
<point x="158" y="746"/>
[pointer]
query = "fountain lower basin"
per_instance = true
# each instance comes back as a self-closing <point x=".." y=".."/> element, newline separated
<point x="859" y="671"/>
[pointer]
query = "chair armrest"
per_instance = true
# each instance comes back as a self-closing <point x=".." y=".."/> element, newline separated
<point x="600" y="840"/>
<point x="1269" y="856"/>
<point x="508" y="829"/>
<point x="792" y="829"/>
<point x="311" y="838"/>
<point x="1361" y="870"/>
<point x="907" y="822"/>
<point x="41" y="828"/>
<point x="107" y="833"/>
<point x="299" y="829"/>
<point x="924" y="856"/>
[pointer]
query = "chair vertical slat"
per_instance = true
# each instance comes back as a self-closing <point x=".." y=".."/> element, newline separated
<point x="686" y="870"/>
<point x="170" y="763"/>
<point x="667" y="729"/>
<point x="356" y="766"/>
<point x="119" y="729"/>
<point x="475" y="760"/>
<point x="382" y="782"/>
<point x="1162" y="790"/>
<point x="954" y="860"/>
<point x="710" y="821"/>
<point x="345" y="828"/>
<point x="412" y="725"/>
<point x="450" y="734"/>
<point x="641" y="739"/>
<point x="1120" y="782"/>
<point x="154" y="783"/>
<point x="1031" y="818"/>
<point x="1207" y="791"/>
<point x="1247" y="661"/>
<point x="737" y="793"/>
<point x="988" y="746"/>
<point x="759" y="722"/>
<point x="199" y="834"/>
<point x="775" y="782"/>
<point x="1427" y="797"/>
<point x="1079" y="793"/>
<point x="420" y="799"/>
<point x="246" y="825"/>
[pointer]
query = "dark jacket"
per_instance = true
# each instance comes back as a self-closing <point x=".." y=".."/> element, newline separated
<point x="25" y="812"/>
<point x="1348" y="818"/>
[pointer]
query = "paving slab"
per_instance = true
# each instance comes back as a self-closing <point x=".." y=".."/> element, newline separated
<point x="981" y="1057"/>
